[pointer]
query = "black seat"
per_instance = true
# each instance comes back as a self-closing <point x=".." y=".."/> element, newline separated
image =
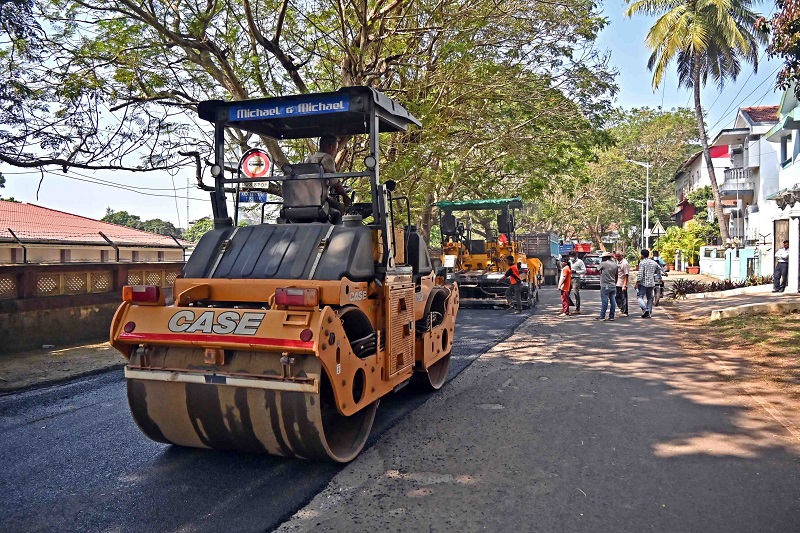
<point x="448" y="225"/>
<point x="417" y="255"/>
<point x="305" y="198"/>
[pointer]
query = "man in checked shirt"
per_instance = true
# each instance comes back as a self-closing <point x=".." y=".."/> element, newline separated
<point x="645" y="283"/>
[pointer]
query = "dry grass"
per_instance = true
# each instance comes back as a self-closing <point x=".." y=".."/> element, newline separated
<point x="769" y="343"/>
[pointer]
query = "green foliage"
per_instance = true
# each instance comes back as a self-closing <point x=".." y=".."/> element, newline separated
<point x="785" y="42"/>
<point x="509" y="95"/>
<point x="198" y="229"/>
<point x="689" y="239"/>
<point x="679" y="288"/>
<point x="122" y="218"/>
<point x="590" y="199"/>
<point x="156" y="225"/>
<point x="706" y="39"/>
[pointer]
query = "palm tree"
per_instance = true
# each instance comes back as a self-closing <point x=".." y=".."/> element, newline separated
<point x="708" y="38"/>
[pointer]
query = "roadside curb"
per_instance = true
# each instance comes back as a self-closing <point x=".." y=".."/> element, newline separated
<point x="15" y="389"/>
<point x="755" y="309"/>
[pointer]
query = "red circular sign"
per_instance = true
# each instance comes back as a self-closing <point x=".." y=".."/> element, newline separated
<point x="255" y="164"/>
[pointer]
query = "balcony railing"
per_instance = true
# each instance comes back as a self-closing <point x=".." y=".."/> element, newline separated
<point x="738" y="178"/>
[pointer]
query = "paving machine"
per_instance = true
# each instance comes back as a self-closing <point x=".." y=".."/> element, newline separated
<point x="475" y="259"/>
<point x="283" y="337"/>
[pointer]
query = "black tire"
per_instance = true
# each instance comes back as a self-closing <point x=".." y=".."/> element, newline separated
<point x="656" y="295"/>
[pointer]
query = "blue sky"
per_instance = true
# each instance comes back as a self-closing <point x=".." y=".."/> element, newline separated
<point x="624" y="38"/>
<point x="155" y="197"/>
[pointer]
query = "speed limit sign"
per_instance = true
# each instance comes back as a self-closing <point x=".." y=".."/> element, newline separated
<point x="255" y="164"/>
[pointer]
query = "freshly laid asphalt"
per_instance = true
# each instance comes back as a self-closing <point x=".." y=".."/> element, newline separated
<point x="73" y="459"/>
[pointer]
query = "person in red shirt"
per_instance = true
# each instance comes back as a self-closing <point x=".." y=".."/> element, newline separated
<point x="514" y="290"/>
<point x="564" y="284"/>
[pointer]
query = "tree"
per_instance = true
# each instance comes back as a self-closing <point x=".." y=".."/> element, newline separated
<point x="123" y="78"/>
<point x="156" y="225"/>
<point x="198" y="229"/>
<point x="122" y="218"/>
<point x="707" y="38"/>
<point x="595" y="197"/>
<point x="785" y="42"/>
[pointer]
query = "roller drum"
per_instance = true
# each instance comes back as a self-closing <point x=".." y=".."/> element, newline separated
<point x="304" y="425"/>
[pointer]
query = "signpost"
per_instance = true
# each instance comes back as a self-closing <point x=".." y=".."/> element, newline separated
<point x="658" y="230"/>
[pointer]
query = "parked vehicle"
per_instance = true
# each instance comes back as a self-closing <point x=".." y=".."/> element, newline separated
<point x="592" y="276"/>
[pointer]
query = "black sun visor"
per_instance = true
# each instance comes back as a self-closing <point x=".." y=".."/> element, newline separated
<point x="302" y="116"/>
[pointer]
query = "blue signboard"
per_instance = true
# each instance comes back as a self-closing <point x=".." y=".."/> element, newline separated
<point x="311" y="106"/>
<point x="564" y="249"/>
<point x="252" y="197"/>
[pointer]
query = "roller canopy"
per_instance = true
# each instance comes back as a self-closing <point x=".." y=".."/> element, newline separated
<point x="475" y="205"/>
<point x="302" y="116"/>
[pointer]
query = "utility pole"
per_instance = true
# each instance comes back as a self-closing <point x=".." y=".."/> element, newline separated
<point x="647" y="198"/>
<point x="641" y="237"/>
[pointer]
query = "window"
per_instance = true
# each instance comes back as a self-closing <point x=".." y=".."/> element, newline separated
<point x="104" y="256"/>
<point x="785" y="156"/>
<point x="134" y="256"/>
<point x="160" y="256"/>
<point x="66" y="256"/>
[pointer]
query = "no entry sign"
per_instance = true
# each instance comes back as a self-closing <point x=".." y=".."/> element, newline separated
<point x="255" y="164"/>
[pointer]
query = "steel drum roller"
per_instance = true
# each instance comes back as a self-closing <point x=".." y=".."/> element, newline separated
<point x="244" y="418"/>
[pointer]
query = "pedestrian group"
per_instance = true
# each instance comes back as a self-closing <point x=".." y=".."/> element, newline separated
<point x="614" y="279"/>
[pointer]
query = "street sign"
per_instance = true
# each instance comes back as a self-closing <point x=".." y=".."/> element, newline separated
<point x="256" y="197"/>
<point x="255" y="164"/>
<point x="657" y="230"/>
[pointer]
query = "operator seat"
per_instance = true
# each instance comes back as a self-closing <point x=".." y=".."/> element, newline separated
<point x="305" y="199"/>
<point x="417" y="255"/>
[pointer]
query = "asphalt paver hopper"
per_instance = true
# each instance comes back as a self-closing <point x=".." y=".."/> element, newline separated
<point x="283" y="337"/>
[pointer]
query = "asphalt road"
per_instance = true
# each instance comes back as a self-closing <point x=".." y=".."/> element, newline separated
<point x="73" y="459"/>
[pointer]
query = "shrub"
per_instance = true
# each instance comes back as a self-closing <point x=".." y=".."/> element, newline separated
<point x="681" y="287"/>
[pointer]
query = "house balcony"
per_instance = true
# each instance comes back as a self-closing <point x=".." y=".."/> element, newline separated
<point x="738" y="184"/>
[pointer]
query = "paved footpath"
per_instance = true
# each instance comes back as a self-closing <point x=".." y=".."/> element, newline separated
<point x="577" y="425"/>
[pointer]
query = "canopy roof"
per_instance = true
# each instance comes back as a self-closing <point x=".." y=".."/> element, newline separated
<point x="476" y="205"/>
<point x="302" y="116"/>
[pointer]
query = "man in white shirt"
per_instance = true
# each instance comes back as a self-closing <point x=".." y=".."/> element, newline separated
<point x="781" y="268"/>
<point x="578" y="268"/>
<point x="623" y="274"/>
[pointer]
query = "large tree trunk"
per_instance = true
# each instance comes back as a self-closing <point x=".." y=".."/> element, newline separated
<point x="698" y="111"/>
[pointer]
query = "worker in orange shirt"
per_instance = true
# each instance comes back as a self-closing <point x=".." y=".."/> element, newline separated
<point x="514" y="291"/>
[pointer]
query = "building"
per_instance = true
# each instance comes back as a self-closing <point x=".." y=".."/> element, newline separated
<point x="693" y="175"/>
<point x="751" y="176"/>
<point x="34" y="234"/>
<point x="785" y="199"/>
<point x="746" y="166"/>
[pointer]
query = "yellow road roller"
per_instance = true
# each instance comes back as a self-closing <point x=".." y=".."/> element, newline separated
<point x="282" y="337"/>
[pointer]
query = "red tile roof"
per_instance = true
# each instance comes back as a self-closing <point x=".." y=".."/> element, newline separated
<point x="766" y="113"/>
<point x="35" y="224"/>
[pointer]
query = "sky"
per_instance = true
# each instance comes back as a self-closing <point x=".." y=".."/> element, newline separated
<point x="159" y="195"/>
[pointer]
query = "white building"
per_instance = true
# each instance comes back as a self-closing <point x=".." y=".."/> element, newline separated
<point x="786" y="197"/>
<point x="693" y="175"/>
<point x="751" y="177"/>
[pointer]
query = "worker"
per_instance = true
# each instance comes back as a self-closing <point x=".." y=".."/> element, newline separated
<point x="514" y="291"/>
<point x="328" y="148"/>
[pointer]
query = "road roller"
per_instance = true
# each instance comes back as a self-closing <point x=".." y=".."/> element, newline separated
<point x="282" y="337"/>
